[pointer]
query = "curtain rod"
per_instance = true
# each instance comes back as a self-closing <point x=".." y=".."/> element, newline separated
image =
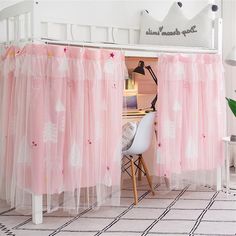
<point x="138" y="50"/>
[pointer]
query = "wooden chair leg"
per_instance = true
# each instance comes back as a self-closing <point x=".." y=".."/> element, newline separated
<point x="139" y="170"/>
<point x="147" y="174"/>
<point x="134" y="182"/>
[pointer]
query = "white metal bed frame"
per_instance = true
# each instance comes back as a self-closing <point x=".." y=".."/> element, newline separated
<point x="22" y="25"/>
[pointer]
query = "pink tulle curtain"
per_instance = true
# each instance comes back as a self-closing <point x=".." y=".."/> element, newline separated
<point x="60" y="125"/>
<point x="191" y="114"/>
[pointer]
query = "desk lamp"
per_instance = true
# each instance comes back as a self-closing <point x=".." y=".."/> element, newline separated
<point x="140" y="70"/>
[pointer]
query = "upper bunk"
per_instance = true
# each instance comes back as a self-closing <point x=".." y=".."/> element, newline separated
<point x="132" y="26"/>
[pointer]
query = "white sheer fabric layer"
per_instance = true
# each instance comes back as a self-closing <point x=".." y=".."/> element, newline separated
<point x="191" y="118"/>
<point x="60" y="125"/>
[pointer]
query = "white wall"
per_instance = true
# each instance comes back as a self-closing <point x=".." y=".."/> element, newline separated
<point x="6" y="3"/>
<point x="119" y="13"/>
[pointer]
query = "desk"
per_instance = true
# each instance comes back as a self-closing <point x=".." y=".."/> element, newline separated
<point x="133" y="114"/>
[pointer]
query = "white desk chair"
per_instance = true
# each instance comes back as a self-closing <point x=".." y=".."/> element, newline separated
<point x="141" y="143"/>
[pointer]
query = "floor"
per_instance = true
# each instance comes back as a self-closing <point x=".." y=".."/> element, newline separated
<point x="168" y="213"/>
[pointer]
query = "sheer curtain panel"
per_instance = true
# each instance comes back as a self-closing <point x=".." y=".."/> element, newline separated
<point x="191" y="118"/>
<point x="60" y="125"/>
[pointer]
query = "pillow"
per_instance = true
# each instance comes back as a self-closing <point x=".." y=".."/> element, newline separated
<point x="128" y="132"/>
<point x="176" y="29"/>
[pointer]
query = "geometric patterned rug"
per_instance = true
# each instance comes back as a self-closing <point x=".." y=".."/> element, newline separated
<point x="188" y="211"/>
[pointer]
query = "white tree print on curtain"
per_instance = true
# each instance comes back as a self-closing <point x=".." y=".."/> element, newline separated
<point x="60" y="107"/>
<point x="75" y="156"/>
<point x="50" y="132"/>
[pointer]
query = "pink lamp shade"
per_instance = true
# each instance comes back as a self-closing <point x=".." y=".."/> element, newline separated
<point x="231" y="58"/>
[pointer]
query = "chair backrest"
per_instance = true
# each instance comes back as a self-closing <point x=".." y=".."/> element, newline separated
<point x="143" y="137"/>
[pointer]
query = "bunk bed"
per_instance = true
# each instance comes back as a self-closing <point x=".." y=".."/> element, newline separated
<point x="22" y="24"/>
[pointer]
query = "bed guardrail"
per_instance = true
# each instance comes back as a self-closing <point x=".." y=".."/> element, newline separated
<point x="22" y="22"/>
<point x="16" y="22"/>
